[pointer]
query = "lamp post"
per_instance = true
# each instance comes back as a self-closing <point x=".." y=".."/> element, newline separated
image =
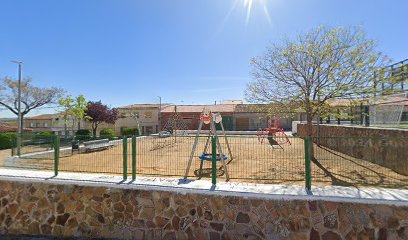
<point x="160" y="102"/>
<point x="19" y="108"/>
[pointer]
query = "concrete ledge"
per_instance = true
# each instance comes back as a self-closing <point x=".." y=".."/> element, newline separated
<point x="235" y="189"/>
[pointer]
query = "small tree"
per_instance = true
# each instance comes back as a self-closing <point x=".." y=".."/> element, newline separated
<point x="307" y="72"/>
<point x="73" y="109"/>
<point x="31" y="97"/>
<point x="97" y="113"/>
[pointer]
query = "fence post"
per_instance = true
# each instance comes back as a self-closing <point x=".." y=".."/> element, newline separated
<point x="367" y="116"/>
<point x="124" y="157"/>
<point x="56" y="154"/>
<point x="133" y="157"/>
<point x="308" y="177"/>
<point x="214" y="160"/>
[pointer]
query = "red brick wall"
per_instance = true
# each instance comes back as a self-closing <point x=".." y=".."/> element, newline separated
<point x="194" y="116"/>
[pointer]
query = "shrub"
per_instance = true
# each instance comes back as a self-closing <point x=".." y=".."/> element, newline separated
<point x="8" y="140"/>
<point x="83" y="135"/>
<point x="130" y="131"/>
<point x="43" y="137"/>
<point x="107" y="133"/>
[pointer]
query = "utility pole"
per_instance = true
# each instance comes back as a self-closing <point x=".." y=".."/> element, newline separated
<point x="20" y="127"/>
<point x="160" y="103"/>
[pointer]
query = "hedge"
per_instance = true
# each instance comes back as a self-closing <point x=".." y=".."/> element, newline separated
<point x="83" y="134"/>
<point x="8" y="140"/>
<point x="43" y="137"/>
<point x="107" y="133"/>
<point x="130" y="131"/>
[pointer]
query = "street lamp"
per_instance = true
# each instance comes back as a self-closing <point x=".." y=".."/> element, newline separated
<point x="19" y="107"/>
<point x="160" y="101"/>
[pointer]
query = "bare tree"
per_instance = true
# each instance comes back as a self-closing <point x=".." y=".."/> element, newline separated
<point x="31" y="97"/>
<point x="314" y="68"/>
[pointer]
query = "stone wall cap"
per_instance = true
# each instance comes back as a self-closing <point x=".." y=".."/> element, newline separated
<point x="359" y="127"/>
<point x="247" y="190"/>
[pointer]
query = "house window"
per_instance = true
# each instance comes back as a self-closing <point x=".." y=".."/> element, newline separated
<point x="37" y="125"/>
<point x="31" y="124"/>
<point x="45" y="125"/>
<point x="148" y="114"/>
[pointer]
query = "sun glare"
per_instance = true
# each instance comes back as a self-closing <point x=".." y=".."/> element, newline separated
<point x="248" y="4"/>
<point x="260" y="7"/>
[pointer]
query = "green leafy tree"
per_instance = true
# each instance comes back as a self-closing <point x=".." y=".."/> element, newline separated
<point x="73" y="110"/>
<point x="307" y="72"/>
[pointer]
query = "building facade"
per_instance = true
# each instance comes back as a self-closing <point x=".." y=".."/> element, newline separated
<point x="190" y="115"/>
<point x="142" y="116"/>
<point x="54" y="123"/>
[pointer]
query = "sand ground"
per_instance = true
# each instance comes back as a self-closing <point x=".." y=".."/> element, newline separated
<point x="251" y="162"/>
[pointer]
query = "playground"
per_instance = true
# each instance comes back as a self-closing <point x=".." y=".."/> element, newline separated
<point x="270" y="156"/>
<point x="252" y="162"/>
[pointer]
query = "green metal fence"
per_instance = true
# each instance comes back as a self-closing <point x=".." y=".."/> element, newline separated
<point x="343" y="161"/>
<point x="360" y="161"/>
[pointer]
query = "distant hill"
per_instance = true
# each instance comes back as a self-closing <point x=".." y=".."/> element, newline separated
<point x="8" y="119"/>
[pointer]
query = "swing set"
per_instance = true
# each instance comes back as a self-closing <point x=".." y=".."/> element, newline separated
<point x="207" y="117"/>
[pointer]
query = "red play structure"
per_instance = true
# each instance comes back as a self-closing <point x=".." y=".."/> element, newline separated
<point x="274" y="131"/>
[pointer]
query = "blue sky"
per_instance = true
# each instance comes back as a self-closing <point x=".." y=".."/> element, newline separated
<point x="187" y="52"/>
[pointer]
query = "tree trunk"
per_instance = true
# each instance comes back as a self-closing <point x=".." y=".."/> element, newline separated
<point x="94" y="127"/>
<point x="22" y="130"/>
<point x="22" y="122"/>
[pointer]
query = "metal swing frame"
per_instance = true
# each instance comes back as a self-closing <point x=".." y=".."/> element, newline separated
<point x="212" y="132"/>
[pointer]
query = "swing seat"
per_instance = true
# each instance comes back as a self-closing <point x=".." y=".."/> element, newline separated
<point x="208" y="157"/>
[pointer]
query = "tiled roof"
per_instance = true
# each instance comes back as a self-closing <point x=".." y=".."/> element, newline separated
<point x="5" y="127"/>
<point x="252" y="108"/>
<point x="199" y="108"/>
<point x="399" y="103"/>
<point x="147" y="105"/>
<point x="141" y="106"/>
<point x="343" y="102"/>
<point x="390" y="101"/>
<point x="43" y="117"/>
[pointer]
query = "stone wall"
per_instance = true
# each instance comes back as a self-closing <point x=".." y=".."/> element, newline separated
<point x="386" y="147"/>
<point x="92" y="211"/>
